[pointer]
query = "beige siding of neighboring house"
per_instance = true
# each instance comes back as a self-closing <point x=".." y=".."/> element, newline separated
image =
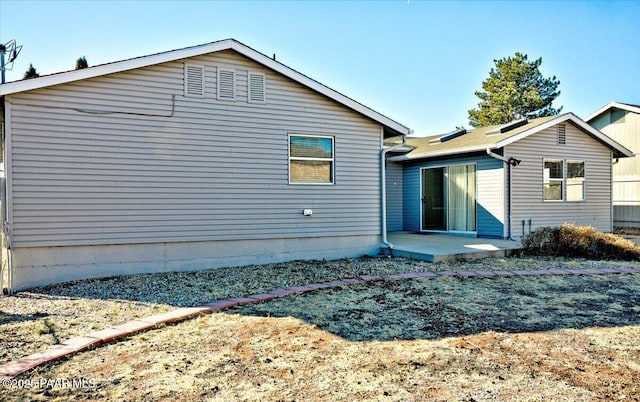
<point x="527" y="181"/>
<point x="83" y="175"/>
<point x="624" y="127"/>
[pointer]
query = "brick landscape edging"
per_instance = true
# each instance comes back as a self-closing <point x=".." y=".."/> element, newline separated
<point x="81" y="343"/>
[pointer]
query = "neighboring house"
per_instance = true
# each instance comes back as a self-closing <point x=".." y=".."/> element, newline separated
<point x="209" y="156"/>
<point x="505" y="181"/>
<point x="621" y="121"/>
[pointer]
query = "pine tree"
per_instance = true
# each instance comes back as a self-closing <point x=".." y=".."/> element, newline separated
<point x="515" y="89"/>
<point x="31" y="73"/>
<point x="81" y="63"/>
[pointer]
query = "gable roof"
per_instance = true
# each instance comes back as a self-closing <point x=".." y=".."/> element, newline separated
<point x="617" y="105"/>
<point x="491" y="137"/>
<point x="173" y="55"/>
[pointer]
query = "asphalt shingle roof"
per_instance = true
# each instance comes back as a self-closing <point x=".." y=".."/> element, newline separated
<point x="478" y="138"/>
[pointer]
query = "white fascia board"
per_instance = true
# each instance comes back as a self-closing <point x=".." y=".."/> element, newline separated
<point x="608" y="106"/>
<point x="110" y="68"/>
<point x="144" y="61"/>
<point x="597" y="134"/>
<point x="444" y="152"/>
<point x="318" y="87"/>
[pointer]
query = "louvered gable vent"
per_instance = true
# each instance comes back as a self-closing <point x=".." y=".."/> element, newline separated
<point x="226" y="84"/>
<point x="193" y="80"/>
<point x="562" y="134"/>
<point x="257" y="87"/>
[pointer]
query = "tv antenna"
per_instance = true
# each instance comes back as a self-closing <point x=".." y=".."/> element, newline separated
<point x="11" y="50"/>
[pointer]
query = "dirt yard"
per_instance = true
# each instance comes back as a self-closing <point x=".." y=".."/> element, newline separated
<point x="475" y="339"/>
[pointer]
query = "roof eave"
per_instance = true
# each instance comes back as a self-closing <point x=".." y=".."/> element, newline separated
<point x="619" y="150"/>
<point x="114" y="67"/>
<point x="610" y="105"/>
<point x="173" y="55"/>
<point x="444" y="152"/>
<point x="318" y="87"/>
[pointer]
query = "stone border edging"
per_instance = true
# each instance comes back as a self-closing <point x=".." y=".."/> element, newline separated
<point x="81" y="343"/>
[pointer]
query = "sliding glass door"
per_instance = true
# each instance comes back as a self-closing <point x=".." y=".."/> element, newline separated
<point x="449" y="198"/>
<point x="434" y="198"/>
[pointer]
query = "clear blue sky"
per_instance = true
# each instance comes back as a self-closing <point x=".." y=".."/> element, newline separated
<point x="417" y="62"/>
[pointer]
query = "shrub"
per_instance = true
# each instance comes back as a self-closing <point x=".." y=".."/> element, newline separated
<point x="579" y="241"/>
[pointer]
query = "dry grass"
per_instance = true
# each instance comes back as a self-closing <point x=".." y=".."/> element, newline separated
<point x="517" y="338"/>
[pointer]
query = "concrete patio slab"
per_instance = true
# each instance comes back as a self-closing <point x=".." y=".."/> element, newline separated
<point x="437" y="248"/>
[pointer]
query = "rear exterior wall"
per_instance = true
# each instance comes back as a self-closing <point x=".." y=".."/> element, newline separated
<point x="128" y="160"/>
<point x="394" y="197"/>
<point x="528" y="202"/>
<point x="490" y="206"/>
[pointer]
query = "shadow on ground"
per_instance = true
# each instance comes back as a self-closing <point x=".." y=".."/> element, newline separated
<point x="406" y="309"/>
<point x="6" y="318"/>
<point x="431" y="309"/>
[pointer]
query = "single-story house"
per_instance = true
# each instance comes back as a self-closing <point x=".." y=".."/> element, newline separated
<point x="209" y="156"/>
<point x="504" y="181"/>
<point x="621" y="121"/>
<point x="218" y="155"/>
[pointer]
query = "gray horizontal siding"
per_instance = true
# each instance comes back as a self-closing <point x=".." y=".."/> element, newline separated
<point x="528" y="200"/>
<point x="490" y="183"/>
<point x="394" y="197"/>
<point x="491" y="197"/>
<point x="411" y="196"/>
<point x="215" y="170"/>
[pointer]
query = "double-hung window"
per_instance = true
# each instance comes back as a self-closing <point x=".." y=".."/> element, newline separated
<point x="553" y="180"/>
<point x="563" y="180"/>
<point x="575" y="181"/>
<point x="311" y="159"/>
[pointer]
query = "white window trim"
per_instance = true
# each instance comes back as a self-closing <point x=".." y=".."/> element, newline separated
<point x="229" y="70"/>
<point x="447" y="166"/>
<point x="186" y="68"/>
<point x="565" y="179"/>
<point x="249" y="87"/>
<point x="584" y="179"/>
<point x="562" y="180"/>
<point x="332" y="159"/>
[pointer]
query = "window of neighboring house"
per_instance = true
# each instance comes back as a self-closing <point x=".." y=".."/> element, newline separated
<point x="553" y="180"/>
<point x="575" y="181"/>
<point x="311" y="159"/>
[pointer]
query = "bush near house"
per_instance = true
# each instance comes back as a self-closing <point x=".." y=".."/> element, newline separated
<point x="579" y="241"/>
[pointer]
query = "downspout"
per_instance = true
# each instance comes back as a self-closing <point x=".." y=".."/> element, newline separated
<point x="611" y="211"/>
<point x="5" y="238"/>
<point x="3" y="202"/>
<point x="509" y="198"/>
<point x="383" y="188"/>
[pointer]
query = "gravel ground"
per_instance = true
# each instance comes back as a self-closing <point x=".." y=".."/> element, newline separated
<point x="524" y="338"/>
<point x="34" y="320"/>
